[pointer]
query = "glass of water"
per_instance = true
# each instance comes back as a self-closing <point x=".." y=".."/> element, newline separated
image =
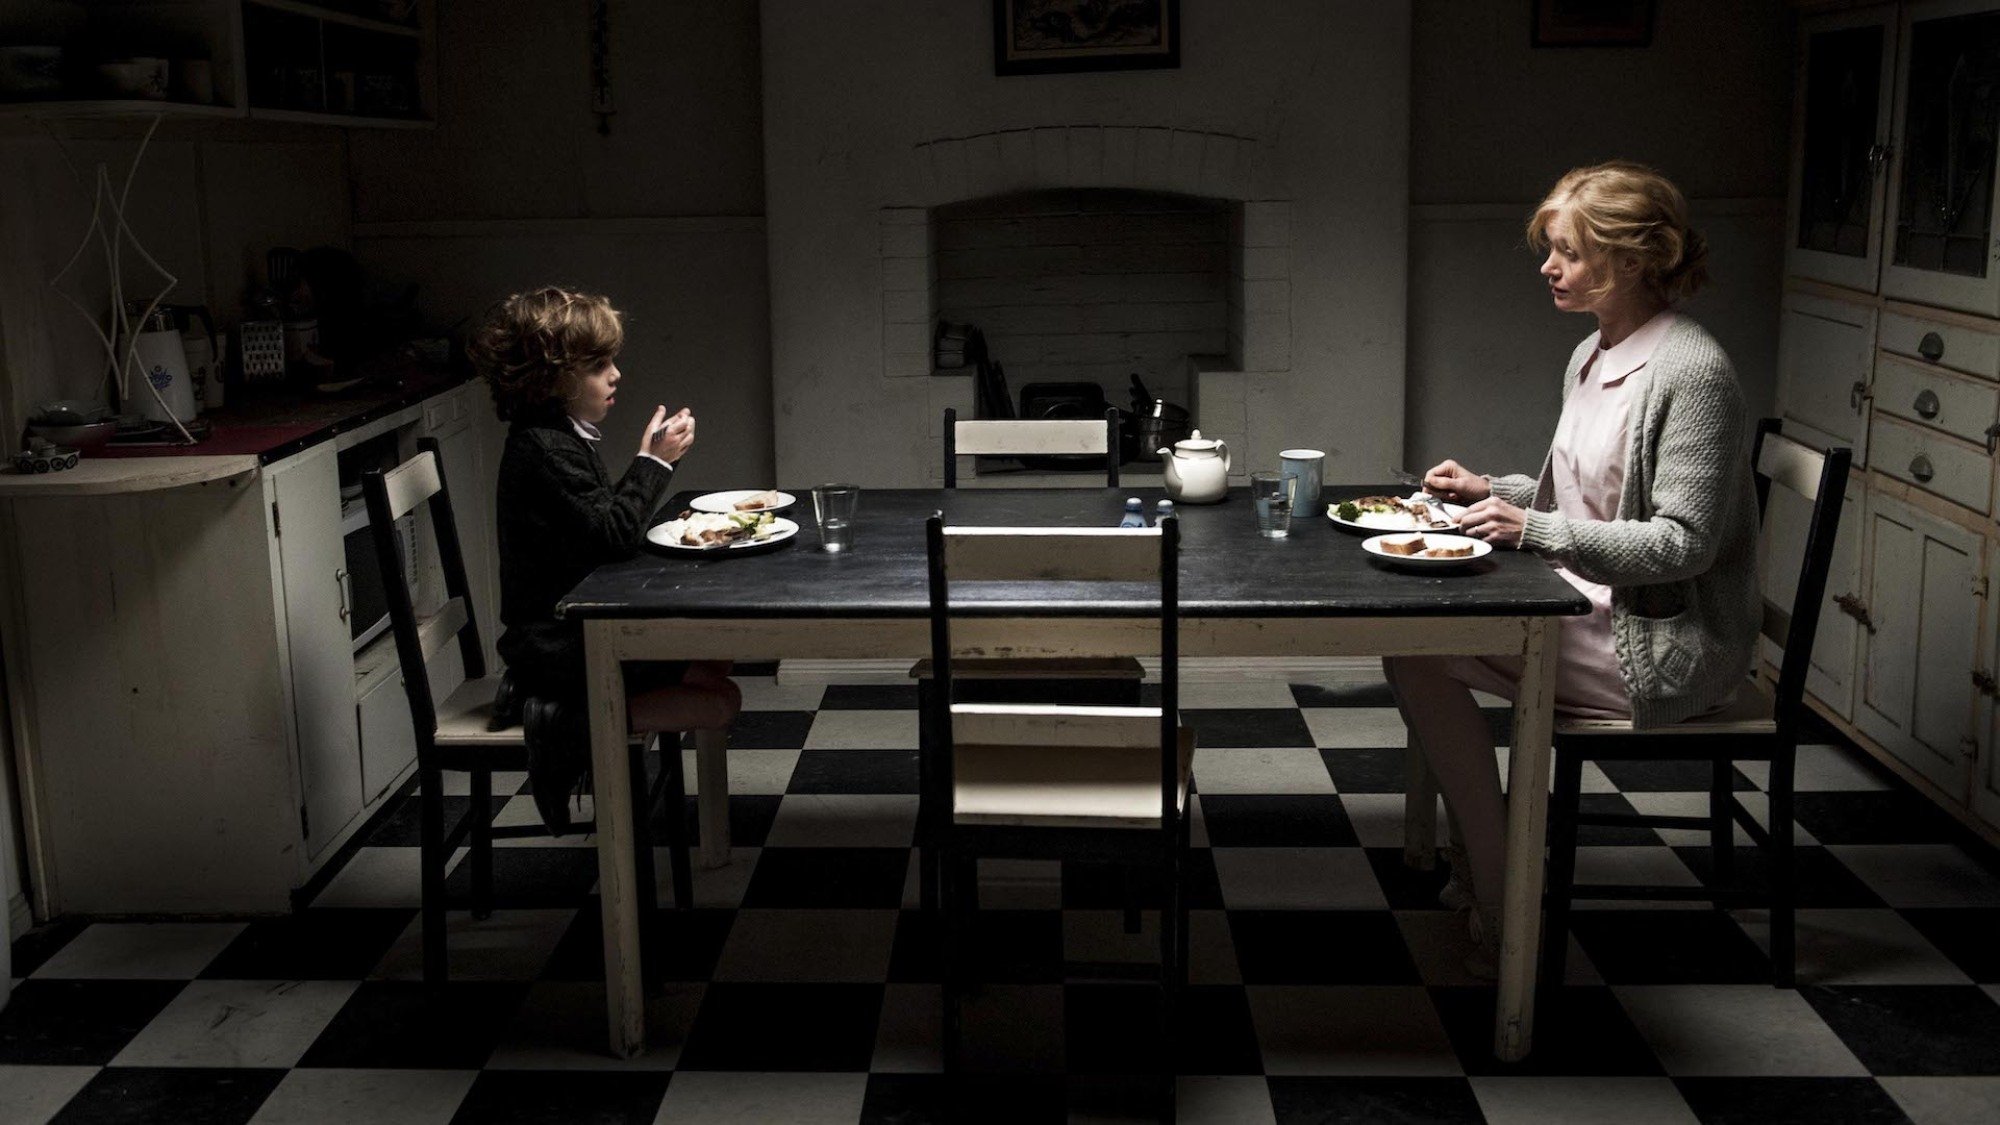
<point x="1271" y="493"/>
<point x="833" y="509"/>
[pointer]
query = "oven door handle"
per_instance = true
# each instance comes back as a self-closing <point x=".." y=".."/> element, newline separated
<point x="342" y="578"/>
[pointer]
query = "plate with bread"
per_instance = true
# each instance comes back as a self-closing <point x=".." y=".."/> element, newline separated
<point x="751" y="500"/>
<point x="1427" y="550"/>
<point x="714" y="533"/>
<point x="1414" y="512"/>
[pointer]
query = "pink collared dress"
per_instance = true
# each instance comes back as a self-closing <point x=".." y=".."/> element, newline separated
<point x="1587" y="471"/>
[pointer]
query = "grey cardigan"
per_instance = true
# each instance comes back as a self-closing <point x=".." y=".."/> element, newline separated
<point x="1681" y="558"/>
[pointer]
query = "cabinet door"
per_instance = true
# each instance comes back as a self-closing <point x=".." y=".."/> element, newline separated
<point x="1831" y="677"/>
<point x="1916" y="690"/>
<point x="388" y="742"/>
<point x="1941" y="200"/>
<point x="306" y="494"/>
<point x="1826" y="350"/>
<point x="1985" y="797"/>
<point x="1843" y="100"/>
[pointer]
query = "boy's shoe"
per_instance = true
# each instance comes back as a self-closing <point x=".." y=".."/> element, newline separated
<point x="556" y="757"/>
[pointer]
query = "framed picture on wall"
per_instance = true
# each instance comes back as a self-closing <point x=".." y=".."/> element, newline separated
<point x="1051" y="36"/>
<point x="1592" y="23"/>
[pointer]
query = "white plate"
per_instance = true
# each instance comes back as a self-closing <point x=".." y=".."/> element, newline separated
<point x="725" y="502"/>
<point x="666" y="536"/>
<point x="1480" y="549"/>
<point x="1377" y="522"/>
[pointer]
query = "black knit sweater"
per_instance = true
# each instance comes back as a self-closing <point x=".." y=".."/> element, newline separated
<point x="560" y="517"/>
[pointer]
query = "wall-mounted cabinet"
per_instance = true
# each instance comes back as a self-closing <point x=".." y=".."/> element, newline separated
<point x="1842" y="119"/>
<point x="354" y="63"/>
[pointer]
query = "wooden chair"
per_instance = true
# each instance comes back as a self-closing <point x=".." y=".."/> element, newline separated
<point x="1762" y="725"/>
<point x="1025" y="780"/>
<point x="1049" y="437"/>
<point x="456" y="734"/>
<point x="1112" y="680"/>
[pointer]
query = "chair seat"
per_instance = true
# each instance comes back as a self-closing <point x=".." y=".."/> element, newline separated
<point x="463" y="717"/>
<point x="1751" y="712"/>
<point x="1045" y="668"/>
<point x="1064" y="786"/>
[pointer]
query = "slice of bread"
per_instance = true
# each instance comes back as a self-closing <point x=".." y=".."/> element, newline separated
<point x="1409" y="546"/>
<point x="1462" y="551"/>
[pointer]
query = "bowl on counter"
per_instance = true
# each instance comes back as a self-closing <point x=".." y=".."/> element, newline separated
<point x="44" y="458"/>
<point x="86" y="438"/>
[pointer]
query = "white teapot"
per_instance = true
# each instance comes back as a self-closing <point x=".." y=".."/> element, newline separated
<point x="1197" y="470"/>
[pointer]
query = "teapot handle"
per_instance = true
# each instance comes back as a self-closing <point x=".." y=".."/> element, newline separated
<point x="1222" y="447"/>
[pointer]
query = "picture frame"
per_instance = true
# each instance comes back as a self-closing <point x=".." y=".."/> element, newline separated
<point x="1591" y="23"/>
<point x="1067" y="36"/>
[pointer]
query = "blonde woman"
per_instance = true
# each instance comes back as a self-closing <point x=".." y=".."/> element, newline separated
<point x="1644" y="503"/>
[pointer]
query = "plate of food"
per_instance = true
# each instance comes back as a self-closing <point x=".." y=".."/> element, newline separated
<point x="1427" y="549"/>
<point x="750" y="500"/>
<point x="1394" y="513"/>
<point x="709" y="533"/>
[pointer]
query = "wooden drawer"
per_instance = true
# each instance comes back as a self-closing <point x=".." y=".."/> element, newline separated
<point x="1936" y="398"/>
<point x="1932" y="461"/>
<point x="1937" y="342"/>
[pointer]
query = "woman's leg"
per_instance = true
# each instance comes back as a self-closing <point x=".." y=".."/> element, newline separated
<point x="1446" y="726"/>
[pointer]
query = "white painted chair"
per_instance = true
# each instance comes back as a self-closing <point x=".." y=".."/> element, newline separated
<point x="1049" y="437"/>
<point x="1032" y="780"/>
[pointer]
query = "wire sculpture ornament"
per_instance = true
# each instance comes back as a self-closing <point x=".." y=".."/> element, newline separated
<point x="109" y="229"/>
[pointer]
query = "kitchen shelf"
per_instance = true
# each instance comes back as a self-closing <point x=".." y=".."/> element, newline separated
<point x="116" y="107"/>
<point x="342" y="120"/>
<point x="331" y="15"/>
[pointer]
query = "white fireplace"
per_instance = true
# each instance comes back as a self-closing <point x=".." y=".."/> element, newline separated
<point x="1291" y="116"/>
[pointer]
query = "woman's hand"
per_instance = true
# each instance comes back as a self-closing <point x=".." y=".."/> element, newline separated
<point x="1495" y="521"/>
<point x="669" y="439"/>
<point x="1455" y="484"/>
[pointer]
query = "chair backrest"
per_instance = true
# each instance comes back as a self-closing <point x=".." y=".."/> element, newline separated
<point x="390" y="495"/>
<point x="1044" y="438"/>
<point x="993" y="555"/>
<point x="1822" y="479"/>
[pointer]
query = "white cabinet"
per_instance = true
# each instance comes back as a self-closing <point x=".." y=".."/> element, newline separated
<point x="1924" y="578"/>
<point x="1843" y="98"/>
<point x="1830" y="678"/>
<point x="1826" y="349"/>
<point x="1939" y="246"/>
<point x="305" y="492"/>
<point x="1985" y="794"/>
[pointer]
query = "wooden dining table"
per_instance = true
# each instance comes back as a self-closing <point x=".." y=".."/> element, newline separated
<point x="1315" y="593"/>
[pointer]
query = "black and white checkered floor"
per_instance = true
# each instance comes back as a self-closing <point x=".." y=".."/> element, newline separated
<point x="1326" y="980"/>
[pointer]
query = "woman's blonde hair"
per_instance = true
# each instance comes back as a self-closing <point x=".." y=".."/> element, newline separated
<point x="536" y="347"/>
<point x="1621" y="208"/>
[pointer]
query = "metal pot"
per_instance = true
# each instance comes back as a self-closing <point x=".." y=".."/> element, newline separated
<point x="1159" y="426"/>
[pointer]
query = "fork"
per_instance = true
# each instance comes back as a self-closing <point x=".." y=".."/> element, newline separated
<point x="1414" y="481"/>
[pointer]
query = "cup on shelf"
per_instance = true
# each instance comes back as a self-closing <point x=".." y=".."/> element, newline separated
<point x="833" y="510"/>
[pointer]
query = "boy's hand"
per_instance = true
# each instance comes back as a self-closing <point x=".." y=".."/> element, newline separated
<point x="668" y="438"/>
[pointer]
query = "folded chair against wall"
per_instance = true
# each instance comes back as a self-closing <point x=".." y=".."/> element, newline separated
<point x="1026" y="780"/>
<point x="454" y="734"/>
<point x="1097" y="680"/>
<point x="1762" y="725"/>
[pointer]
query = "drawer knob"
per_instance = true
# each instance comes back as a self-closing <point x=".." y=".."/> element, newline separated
<point x="1931" y="347"/>
<point x="1927" y="404"/>
<point x="1921" y="468"/>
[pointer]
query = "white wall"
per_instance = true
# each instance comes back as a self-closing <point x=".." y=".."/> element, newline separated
<point x="517" y="188"/>
<point x="1319" y="88"/>
<point x="1495" y="122"/>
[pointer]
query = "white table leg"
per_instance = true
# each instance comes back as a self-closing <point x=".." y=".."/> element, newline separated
<point x="617" y="875"/>
<point x="1527" y="819"/>
<point x="711" y="766"/>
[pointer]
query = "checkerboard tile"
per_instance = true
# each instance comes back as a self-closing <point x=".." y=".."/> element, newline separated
<point x="1326" y="982"/>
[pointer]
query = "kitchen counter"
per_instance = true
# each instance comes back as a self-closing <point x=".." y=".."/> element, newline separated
<point x="256" y="429"/>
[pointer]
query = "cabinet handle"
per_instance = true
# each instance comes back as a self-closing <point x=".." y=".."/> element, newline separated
<point x="1992" y="436"/>
<point x="1878" y="157"/>
<point x="1856" y="395"/>
<point x="1931" y="347"/>
<point x="1983" y="683"/>
<point x="1926" y="404"/>
<point x="340" y="579"/>
<point x="1855" y="608"/>
<point x="1921" y="468"/>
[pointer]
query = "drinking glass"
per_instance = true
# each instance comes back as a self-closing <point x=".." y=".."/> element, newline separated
<point x="1271" y="493"/>
<point x="833" y="509"/>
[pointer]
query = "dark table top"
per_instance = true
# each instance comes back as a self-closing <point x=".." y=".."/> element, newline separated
<point x="1227" y="570"/>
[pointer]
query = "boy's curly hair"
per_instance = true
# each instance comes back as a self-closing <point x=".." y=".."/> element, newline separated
<point x="537" y="346"/>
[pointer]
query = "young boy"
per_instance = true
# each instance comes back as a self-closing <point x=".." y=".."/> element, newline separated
<point x="549" y="357"/>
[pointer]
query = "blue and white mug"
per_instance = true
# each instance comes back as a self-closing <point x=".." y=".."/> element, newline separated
<point x="1306" y="465"/>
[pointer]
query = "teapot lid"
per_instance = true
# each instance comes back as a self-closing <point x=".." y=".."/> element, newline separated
<point x="1195" y="443"/>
